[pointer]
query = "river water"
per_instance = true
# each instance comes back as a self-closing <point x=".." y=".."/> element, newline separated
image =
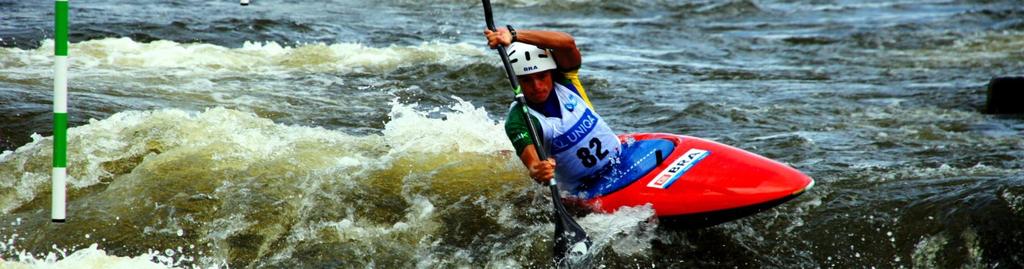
<point x="369" y="134"/>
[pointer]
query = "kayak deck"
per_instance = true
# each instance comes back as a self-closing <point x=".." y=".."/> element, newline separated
<point x="695" y="182"/>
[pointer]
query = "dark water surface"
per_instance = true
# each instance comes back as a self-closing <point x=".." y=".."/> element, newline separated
<point x="356" y="134"/>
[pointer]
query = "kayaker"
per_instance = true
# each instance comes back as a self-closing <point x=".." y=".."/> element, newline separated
<point x="581" y="144"/>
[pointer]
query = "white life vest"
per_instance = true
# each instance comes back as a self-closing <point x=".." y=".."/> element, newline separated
<point x="580" y="141"/>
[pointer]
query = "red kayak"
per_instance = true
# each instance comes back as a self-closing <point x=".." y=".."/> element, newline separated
<point x="693" y="182"/>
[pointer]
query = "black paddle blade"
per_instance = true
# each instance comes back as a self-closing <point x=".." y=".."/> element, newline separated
<point x="572" y="245"/>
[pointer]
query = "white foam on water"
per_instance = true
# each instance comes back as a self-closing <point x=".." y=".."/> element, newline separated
<point x="975" y="50"/>
<point x="247" y="167"/>
<point x="235" y="138"/>
<point x="230" y="138"/>
<point x="943" y="171"/>
<point x="1014" y="200"/>
<point x="93" y="257"/>
<point x="113" y="56"/>
<point x="463" y="129"/>
<point x="926" y="251"/>
<point x="628" y="231"/>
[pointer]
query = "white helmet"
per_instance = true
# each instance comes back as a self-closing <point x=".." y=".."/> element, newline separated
<point x="528" y="59"/>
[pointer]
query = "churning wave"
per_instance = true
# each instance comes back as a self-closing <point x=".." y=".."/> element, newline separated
<point x="221" y="186"/>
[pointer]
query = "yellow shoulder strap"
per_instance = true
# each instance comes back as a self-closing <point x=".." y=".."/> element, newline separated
<point x="575" y="78"/>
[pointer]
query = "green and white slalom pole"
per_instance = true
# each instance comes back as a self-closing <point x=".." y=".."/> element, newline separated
<point x="60" y="111"/>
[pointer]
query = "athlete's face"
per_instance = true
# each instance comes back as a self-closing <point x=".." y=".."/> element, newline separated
<point x="536" y="86"/>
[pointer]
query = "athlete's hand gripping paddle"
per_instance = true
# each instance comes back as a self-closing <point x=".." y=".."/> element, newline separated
<point x="572" y="245"/>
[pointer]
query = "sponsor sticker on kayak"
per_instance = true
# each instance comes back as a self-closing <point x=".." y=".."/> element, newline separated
<point x="677" y="168"/>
